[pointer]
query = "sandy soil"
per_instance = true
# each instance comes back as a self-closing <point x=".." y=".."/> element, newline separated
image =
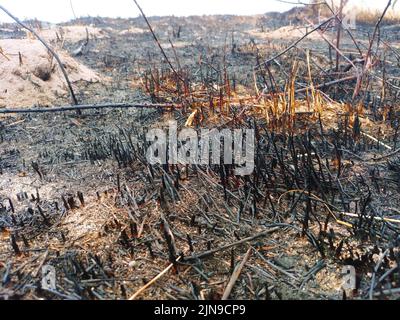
<point x="95" y="244"/>
<point x="72" y="33"/>
<point x="30" y="76"/>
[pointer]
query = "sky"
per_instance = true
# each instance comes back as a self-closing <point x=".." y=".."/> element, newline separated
<point x="60" y="10"/>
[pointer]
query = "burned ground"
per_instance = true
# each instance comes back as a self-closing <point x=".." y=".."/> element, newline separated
<point x="77" y="193"/>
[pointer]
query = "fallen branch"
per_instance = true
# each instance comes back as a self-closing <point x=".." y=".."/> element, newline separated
<point x="353" y="215"/>
<point x="235" y="276"/>
<point x="228" y="246"/>
<point x="328" y="84"/>
<point x="376" y="140"/>
<point x="149" y="284"/>
<point x="385" y="156"/>
<point x="90" y="106"/>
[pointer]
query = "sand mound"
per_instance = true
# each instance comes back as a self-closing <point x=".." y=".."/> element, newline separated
<point x="30" y="76"/>
<point x="285" y="33"/>
<point x="72" y="33"/>
<point x="291" y="32"/>
<point x="132" y="30"/>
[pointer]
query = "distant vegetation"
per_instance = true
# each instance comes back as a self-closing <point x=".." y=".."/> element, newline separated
<point x="319" y="10"/>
